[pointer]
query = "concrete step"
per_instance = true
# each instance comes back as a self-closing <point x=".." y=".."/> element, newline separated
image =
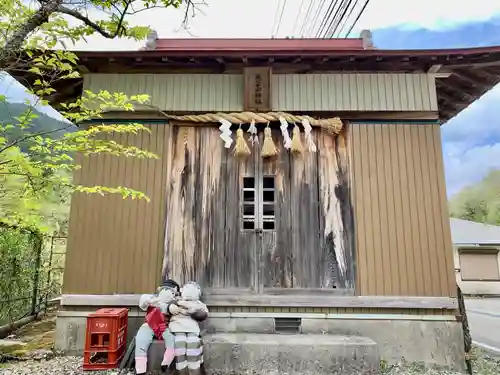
<point x="284" y="354"/>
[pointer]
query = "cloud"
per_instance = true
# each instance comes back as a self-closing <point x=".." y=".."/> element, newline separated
<point x="429" y="14"/>
<point x="471" y="142"/>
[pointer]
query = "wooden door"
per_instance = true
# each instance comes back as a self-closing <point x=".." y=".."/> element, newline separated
<point x="204" y="237"/>
<point x="305" y="238"/>
<point x="257" y="224"/>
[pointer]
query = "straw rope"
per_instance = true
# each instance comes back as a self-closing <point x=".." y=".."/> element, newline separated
<point x="333" y="124"/>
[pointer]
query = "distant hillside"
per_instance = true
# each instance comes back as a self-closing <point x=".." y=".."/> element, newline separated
<point x="479" y="202"/>
<point x="42" y="123"/>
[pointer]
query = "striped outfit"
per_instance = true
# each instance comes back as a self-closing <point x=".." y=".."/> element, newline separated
<point x="188" y="353"/>
<point x="187" y="342"/>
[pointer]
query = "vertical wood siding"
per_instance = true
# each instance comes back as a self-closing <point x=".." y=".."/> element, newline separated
<point x="289" y="92"/>
<point x="403" y="238"/>
<point x="113" y="241"/>
<point x="354" y="92"/>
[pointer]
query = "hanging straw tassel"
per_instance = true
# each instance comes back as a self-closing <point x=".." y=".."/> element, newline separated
<point x="296" y="141"/>
<point x="268" y="148"/>
<point x="241" y="148"/>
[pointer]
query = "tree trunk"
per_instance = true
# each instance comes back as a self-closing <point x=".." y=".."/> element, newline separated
<point x="14" y="44"/>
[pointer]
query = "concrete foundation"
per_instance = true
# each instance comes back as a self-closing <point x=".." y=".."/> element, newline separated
<point x="275" y="354"/>
<point x="432" y="342"/>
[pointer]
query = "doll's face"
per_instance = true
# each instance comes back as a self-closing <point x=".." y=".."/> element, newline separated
<point x="166" y="295"/>
<point x="191" y="292"/>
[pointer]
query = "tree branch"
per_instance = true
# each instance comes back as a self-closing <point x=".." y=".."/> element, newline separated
<point x="92" y="24"/>
<point x="17" y="141"/>
<point x="87" y="21"/>
<point x="13" y="45"/>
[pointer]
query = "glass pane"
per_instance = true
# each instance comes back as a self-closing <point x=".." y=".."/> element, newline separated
<point x="249" y="224"/>
<point x="268" y="182"/>
<point x="268" y="196"/>
<point x="249" y="195"/>
<point x="268" y="210"/>
<point x="248" y="182"/>
<point x="249" y="209"/>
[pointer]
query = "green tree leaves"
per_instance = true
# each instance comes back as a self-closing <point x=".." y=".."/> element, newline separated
<point x="36" y="165"/>
<point x="480" y="202"/>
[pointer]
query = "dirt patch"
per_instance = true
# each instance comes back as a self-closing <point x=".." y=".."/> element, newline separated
<point x="34" y="337"/>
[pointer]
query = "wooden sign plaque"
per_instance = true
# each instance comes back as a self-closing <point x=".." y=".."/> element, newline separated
<point x="257" y="88"/>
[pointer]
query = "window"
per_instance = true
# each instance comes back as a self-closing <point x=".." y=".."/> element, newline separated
<point x="248" y="210"/>
<point x="258" y="203"/>
<point x="479" y="265"/>
<point x="268" y="203"/>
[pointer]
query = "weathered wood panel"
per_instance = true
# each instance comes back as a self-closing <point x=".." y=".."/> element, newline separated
<point x="289" y="92"/>
<point x="240" y="263"/>
<point x="312" y="244"/>
<point x="312" y="266"/>
<point x="195" y="245"/>
<point x="336" y="222"/>
<point x="110" y="237"/>
<point x="275" y="246"/>
<point x="403" y="241"/>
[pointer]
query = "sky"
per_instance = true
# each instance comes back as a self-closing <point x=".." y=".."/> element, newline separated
<point x="471" y="141"/>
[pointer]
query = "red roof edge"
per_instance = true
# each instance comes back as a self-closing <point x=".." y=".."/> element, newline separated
<point x="254" y="45"/>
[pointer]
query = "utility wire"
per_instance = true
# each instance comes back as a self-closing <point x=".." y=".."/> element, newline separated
<point x="357" y="18"/>
<point x="347" y="18"/>
<point x="342" y="17"/>
<point x="281" y="17"/>
<point x="298" y="15"/>
<point x="333" y="22"/>
<point x="306" y="18"/>
<point x="314" y="21"/>
<point x="326" y="18"/>
<point x="275" y="18"/>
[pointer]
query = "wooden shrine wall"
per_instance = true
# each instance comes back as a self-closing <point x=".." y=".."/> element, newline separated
<point x="116" y="245"/>
<point x="289" y="92"/>
<point x="403" y="238"/>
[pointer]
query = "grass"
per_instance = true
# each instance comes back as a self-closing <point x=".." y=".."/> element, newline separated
<point x="484" y="364"/>
<point x="37" y="335"/>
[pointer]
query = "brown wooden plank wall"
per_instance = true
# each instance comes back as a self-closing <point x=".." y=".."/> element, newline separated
<point x="403" y="239"/>
<point x="110" y="238"/>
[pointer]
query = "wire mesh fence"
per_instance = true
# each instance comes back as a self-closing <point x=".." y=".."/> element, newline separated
<point x="31" y="270"/>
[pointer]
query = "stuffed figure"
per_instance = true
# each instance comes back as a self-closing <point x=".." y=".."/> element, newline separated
<point x="156" y="326"/>
<point x="186" y="313"/>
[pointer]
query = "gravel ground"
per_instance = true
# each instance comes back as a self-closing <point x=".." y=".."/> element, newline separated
<point x="484" y="365"/>
<point x="57" y="365"/>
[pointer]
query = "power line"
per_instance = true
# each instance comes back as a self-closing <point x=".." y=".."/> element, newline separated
<point x="326" y="18"/>
<point x="306" y="18"/>
<point x="334" y="21"/>
<point x="275" y="18"/>
<point x="342" y="17"/>
<point x="298" y="15"/>
<point x="314" y="21"/>
<point x="357" y="18"/>
<point x="281" y="17"/>
<point x="347" y="18"/>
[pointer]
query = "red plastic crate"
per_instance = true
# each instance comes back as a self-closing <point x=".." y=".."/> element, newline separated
<point x="106" y="338"/>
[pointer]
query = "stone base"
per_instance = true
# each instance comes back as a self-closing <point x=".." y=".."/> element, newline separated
<point x="275" y="354"/>
<point x="431" y="342"/>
